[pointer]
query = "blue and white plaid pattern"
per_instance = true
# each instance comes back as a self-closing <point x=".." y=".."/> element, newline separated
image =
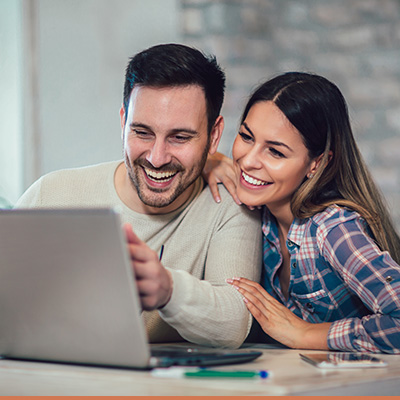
<point x="338" y="275"/>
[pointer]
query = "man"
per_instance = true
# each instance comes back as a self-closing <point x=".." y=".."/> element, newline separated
<point x="170" y="122"/>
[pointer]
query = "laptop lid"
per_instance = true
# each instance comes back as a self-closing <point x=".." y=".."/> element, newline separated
<point x="67" y="293"/>
<point x="66" y="289"/>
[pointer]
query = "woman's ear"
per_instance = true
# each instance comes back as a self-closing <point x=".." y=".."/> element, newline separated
<point x="316" y="164"/>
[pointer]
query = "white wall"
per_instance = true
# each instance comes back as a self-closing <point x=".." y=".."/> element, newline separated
<point x="84" y="48"/>
<point x="75" y="54"/>
<point x="10" y="101"/>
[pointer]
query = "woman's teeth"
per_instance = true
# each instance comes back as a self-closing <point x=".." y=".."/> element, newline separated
<point x="159" y="176"/>
<point x="253" y="181"/>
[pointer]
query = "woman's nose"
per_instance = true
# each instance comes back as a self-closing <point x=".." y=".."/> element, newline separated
<point x="252" y="159"/>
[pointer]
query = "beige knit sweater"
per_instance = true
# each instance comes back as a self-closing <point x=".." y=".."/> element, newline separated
<point x="205" y="243"/>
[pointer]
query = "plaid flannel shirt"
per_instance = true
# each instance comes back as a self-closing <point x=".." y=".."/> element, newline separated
<point x="339" y="275"/>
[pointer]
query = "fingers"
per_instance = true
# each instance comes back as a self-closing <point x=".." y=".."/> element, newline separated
<point x="138" y="250"/>
<point x="259" y="303"/>
<point x="253" y="297"/>
<point x="254" y="207"/>
<point x="249" y="286"/>
<point x="259" y="314"/>
<point x="231" y="188"/>
<point x="154" y="282"/>
<point x="219" y="169"/>
<point x="214" y="190"/>
<point x="253" y="292"/>
<point x="154" y="285"/>
<point x="131" y="236"/>
<point x="142" y="253"/>
<point x="277" y="320"/>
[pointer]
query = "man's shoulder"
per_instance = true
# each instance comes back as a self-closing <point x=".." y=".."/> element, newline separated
<point x="83" y="186"/>
<point x="225" y="195"/>
<point x="88" y="171"/>
<point x="227" y="206"/>
<point x="226" y="198"/>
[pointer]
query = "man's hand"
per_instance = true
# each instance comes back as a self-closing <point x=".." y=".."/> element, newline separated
<point x="154" y="282"/>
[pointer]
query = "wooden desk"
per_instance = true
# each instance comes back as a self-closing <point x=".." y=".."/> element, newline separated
<point x="290" y="376"/>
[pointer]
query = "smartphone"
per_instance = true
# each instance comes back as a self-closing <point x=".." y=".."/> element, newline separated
<point x="342" y="360"/>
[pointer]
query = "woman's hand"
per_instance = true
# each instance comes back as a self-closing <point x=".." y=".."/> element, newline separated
<point x="219" y="169"/>
<point x="278" y="321"/>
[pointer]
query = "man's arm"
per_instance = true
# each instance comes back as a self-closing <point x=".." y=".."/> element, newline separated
<point x="209" y="311"/>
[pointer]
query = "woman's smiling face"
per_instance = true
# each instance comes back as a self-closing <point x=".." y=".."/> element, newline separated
<point x="270" y="158"/>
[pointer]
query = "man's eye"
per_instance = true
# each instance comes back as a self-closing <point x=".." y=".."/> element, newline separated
<point x="245" y="136"/>
<point x="140" y="133"/>
<point x="180" y="138"/>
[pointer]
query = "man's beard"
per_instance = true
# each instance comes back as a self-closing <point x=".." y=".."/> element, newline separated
<point x="151" y="196"/>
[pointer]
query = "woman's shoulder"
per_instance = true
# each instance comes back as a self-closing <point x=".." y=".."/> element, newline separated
<point x="333" y="216"/>
<point x="332" y="223"/>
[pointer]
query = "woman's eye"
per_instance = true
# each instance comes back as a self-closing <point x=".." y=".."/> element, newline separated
<point x="276" y="153"/>
<point x="245" y="136"/>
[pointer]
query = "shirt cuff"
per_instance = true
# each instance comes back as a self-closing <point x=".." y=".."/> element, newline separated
<point x="339" y="335"/>
<point x="350" y="335"/>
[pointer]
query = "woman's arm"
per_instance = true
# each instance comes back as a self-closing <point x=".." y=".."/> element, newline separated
<point x="374" y="277"/>
<point x="278" y="321"/>
<point x="219" y="169"/>
<point x="369" y="273"/>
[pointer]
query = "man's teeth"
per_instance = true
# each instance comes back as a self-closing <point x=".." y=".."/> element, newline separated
<point x="253" y="181"/>
<point x="159" y="176"/>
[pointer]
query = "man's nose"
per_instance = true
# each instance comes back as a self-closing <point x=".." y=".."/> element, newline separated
<point x="158" y="155"/>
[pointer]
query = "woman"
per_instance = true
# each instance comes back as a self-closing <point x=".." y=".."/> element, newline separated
<point x="331" y="278"/>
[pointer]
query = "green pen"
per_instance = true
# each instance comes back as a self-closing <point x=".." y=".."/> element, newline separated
<point x="177" y="372"/>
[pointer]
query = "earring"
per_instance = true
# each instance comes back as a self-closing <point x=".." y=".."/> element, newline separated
<point x="310" y="175"/>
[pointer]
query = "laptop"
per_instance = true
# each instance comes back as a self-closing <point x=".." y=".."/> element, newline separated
<point x="67" y="294"/>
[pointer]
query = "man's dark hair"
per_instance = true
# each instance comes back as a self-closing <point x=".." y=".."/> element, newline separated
<point x="177" y="65"/>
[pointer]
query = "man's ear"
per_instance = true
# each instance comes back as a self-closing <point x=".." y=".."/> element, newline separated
<point x="122" y="119"/>
<point x="216" y="133"/>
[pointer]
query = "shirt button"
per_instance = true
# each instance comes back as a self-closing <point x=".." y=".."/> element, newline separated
<point x="389" y="279"/>
<point x="290" y="243"/>
<point x="294" y="265"/>
<point x="310" y="307"/>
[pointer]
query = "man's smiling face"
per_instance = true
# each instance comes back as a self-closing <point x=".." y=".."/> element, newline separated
<point x="165" y="143"/>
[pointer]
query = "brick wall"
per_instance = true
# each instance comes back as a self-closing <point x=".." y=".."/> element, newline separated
<point x="356" y="44"/>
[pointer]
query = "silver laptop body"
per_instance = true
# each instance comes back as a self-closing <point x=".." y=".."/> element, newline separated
<point x="67" y="290"/>
<point x="68" y="294"/>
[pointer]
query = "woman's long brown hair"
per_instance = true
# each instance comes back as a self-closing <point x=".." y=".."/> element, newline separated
<point x="318" y="110"/>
